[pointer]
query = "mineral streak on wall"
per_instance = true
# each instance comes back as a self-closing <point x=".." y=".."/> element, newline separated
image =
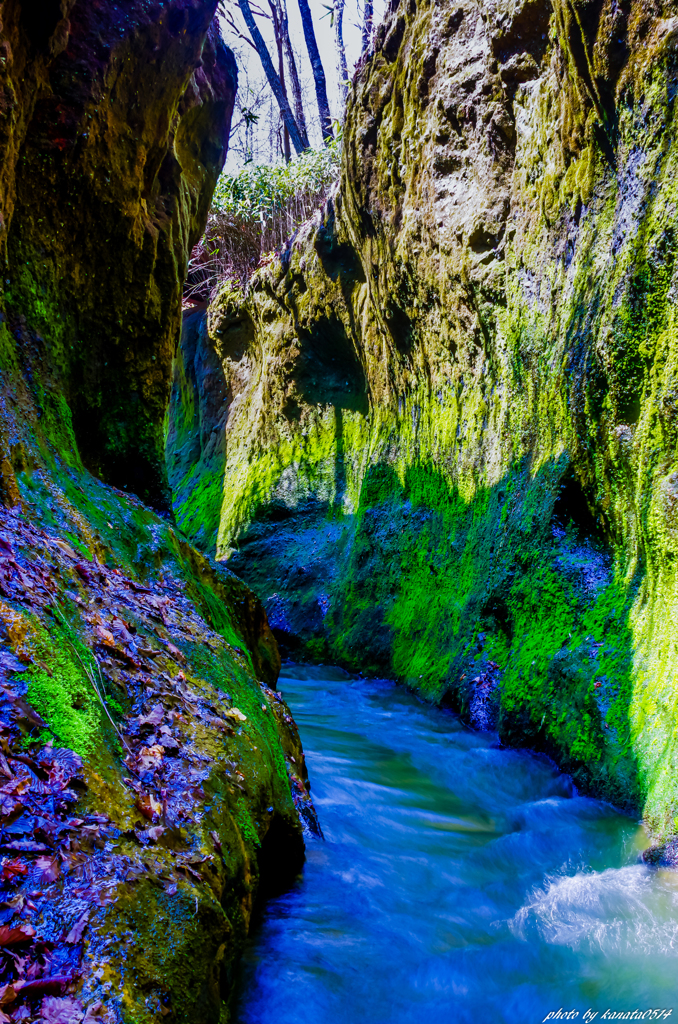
<point x="438" y="436"/>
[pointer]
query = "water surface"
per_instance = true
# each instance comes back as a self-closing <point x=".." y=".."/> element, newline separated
<point x="457" y="881"/>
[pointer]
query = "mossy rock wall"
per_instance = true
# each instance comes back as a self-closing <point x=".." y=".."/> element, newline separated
<point x="446" y="446"/>
<point x="113" y="130"/>
<point x="151" y="777"/>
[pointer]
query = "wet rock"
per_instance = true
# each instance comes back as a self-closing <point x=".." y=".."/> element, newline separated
<point x="144" y="761"/>
<point x="116" y="123"/>
<point x="664" y="856"/>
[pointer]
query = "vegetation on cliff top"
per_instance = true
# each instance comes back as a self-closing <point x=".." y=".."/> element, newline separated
<point x="255" y="212"/>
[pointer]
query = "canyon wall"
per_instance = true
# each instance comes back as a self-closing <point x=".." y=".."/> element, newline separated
<point x="438" y="435"/>
<point x="151" y="779"/>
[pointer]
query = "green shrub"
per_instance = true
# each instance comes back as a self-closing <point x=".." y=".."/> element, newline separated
<point x="254" y="212"/>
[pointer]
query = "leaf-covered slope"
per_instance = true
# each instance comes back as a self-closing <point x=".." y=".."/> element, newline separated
<point x="148" y="768"/>
<point x="448" y="445"/>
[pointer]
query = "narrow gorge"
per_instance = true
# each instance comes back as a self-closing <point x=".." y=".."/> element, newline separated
<point x="432" y="441"/>
<point x="152" y="782"/>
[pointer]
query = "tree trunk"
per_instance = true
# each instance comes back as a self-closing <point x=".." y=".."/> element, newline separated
<point x="294" y="74"/>
<point x="367" y="25"/>
<point x="277" y="32"/>
<point x="342" y="67"/>
<point x="318" y="71"/>
<point x="273" y="80"/>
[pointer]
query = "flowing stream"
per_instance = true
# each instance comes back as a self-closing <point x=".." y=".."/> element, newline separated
<point x="457" y="881"/>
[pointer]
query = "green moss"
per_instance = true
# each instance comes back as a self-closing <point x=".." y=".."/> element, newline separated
<point x="407" y="521"/>
<point x="65" y="698"/>
<point x="175" y="948"/>
<point x="246" y="825"/>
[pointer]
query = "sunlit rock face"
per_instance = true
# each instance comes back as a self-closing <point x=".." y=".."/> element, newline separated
<point x="446" y="437"/>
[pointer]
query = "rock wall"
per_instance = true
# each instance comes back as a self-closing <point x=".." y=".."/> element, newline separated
<point x="151" y="780"/>
<point x="115" y="121"/>
<point x="445" y="446"/>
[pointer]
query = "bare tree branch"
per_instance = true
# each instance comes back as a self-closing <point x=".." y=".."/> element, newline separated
<point x="342" y="67"/>
<point x="294" y="74"/>
<point x="368" y="17"/>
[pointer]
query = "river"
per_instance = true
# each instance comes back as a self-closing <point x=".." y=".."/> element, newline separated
<point x="457" y="881"/>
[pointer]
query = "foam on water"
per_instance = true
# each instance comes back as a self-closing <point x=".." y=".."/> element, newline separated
<point x="620" y="910"/>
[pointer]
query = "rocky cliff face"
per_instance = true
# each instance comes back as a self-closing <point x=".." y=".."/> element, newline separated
<point x="443" y="440"/>
<point x="115" y="121"/>
<point x="150" y="778"/>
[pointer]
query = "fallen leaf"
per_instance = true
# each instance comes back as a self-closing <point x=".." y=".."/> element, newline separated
<point x="48" y="867"/>
<point x="67" y="549"/>
<point x="121" y="630"/>
<point x="154" y="717"/>
<point x="4" y="767"/>
<point x="105" y="636"/>
<point x="219" y="723"/>
<point x="14" y="936"/>
<point x="13" y="869"/>
<point x="138" y="588"/>
<point x="155" y="832"/>
<point x="26" y="844"/>
<point x="78" y="928"/>
<point x="61" y="1011"/>
<point x="150" y="757"/>
<point x="25" y="710"/>
<point x="100" y="819"/>
<point x="190" y="872"/>
<point x="84" y="572"/>
<point x="175" y="653"/>
<point x="149" y="806"/>
<point x="236" y="715"/>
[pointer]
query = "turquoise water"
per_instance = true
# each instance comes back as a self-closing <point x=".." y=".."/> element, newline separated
<point x="457" y="881"/>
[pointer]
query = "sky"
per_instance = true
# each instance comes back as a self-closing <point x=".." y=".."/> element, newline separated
<point x="252" y="82"/>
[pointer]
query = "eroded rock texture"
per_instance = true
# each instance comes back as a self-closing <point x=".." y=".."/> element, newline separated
<point x="446" y="441"/>
<point x="150" y="777"/>
<point x="114" y="126"/>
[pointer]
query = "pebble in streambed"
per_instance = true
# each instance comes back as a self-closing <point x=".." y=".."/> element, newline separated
<point x="457" y="881"/>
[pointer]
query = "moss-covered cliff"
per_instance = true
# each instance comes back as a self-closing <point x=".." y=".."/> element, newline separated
<point x="150" y="777"/>
<point x="444" y="445"/>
